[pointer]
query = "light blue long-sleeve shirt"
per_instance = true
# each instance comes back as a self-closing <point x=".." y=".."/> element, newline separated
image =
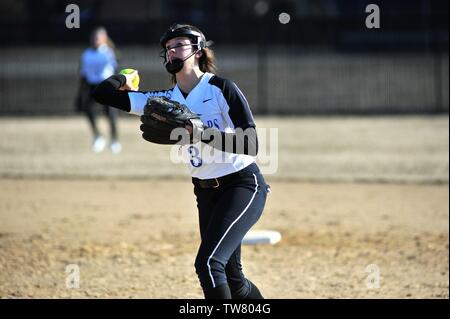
<point x="98" y="64"/>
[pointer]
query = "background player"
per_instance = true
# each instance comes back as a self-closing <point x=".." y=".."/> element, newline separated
<point x="97" y="63"/>
<point x="230" y="190"/>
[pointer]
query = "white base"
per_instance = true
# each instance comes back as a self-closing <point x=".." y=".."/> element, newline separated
<point x="256" y="237"/>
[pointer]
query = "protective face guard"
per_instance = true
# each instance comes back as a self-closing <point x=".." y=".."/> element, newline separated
<point x="163" y="52"/>
<point x="197" y="39"/>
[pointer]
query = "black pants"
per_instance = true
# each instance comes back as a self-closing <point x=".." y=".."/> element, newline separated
<point x="226" y="213"/>
<point x="87" y="105"/>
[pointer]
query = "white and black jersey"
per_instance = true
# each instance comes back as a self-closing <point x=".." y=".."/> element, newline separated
<point x="230" y="190"/>
<point x="220" y="104"/>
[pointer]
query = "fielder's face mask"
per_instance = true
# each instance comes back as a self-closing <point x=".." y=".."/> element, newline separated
<point x="197" y="39"/>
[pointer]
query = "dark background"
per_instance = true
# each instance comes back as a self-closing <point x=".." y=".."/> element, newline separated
<point x="324" y="61"/>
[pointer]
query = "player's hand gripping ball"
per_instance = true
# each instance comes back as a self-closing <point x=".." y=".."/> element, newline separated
<point x="132" y="79"/>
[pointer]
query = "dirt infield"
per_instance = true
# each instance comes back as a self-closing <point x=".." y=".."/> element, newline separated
<point x="411" y="149"/>
<point x="131" y="237"/>
<point x="128" y="242"/>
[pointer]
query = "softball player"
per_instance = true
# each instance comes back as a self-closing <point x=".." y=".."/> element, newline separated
<point x="98" y="62"/>
<point x="229" y="188"/>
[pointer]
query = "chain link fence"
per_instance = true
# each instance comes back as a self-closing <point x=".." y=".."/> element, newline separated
<point x="285" y="80"/>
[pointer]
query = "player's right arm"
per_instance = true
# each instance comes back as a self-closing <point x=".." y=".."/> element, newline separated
<point x="116" y="91"/>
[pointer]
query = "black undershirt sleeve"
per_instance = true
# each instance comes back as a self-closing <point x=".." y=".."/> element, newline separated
<point x="242" y="142"/>
<point x="245" y="139"/>
<point x="108" y="93"/>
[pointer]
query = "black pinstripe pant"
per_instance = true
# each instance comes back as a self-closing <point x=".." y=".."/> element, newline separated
<point x="226" y="213"/>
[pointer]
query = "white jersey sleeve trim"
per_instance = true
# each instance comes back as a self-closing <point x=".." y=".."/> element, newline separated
<point x="138" y="100"/>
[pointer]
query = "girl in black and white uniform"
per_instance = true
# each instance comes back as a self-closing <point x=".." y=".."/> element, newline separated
<point x="229" y="188"/>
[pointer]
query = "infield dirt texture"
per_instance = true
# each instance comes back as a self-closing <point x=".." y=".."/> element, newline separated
<point x="349" y="192"/>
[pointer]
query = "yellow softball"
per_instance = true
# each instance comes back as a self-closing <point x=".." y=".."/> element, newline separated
<point x="135" y="80"/>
